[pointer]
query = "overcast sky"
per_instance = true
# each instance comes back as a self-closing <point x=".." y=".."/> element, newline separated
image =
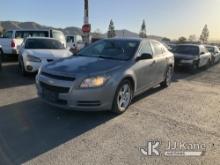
<point x="171" y="18"/>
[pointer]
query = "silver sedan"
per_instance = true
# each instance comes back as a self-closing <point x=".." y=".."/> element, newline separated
<point x="106" y="75"/>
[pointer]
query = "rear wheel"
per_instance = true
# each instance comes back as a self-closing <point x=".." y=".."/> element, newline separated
<point x="123" y="97"/>
<point x="209" y="63"/>
<point x="168" y="78"/>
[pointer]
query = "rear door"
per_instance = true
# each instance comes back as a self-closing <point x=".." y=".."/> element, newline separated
<point x="204" y="56"/>
<point x="161" y="61"/>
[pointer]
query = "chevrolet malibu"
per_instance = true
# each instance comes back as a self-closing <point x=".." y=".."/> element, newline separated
<point x="106" y="75"/>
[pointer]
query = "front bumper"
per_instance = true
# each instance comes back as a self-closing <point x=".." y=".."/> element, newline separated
<point x="73" y="98"/>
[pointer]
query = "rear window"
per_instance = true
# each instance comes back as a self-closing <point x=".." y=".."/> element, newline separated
<point x="210" y="49"/>
<point x="186" y="49"/>
<point x="25" y="34"/>
<point x="70" y="39"/>
<point x="8" y="34"/>
<point x="43" y="44"/>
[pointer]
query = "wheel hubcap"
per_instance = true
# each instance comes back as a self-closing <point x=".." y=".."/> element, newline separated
<point x="124" y="97"/>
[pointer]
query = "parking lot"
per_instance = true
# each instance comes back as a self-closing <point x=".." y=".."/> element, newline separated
<point x="32" y="132"/>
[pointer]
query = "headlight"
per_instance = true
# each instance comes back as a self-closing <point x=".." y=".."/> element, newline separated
<point x="94" y="82"/>
<point x="33" y="58"/>
<point x="187" y="61"/>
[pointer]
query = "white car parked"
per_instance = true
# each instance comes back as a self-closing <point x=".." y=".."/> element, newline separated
<point x="12" y="39"/>
<point x="38" y="51"/>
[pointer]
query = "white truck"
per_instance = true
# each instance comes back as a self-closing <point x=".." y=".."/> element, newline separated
<point x="12" y="39"/>
<point x="74" y="42"/>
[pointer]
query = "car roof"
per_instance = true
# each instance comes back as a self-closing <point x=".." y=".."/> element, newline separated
<point x="131" y="39"/>
<point x="197" y="45"/>
<point x="211" y="46"/>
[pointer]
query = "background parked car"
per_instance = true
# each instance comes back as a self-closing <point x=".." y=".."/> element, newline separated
<point x="1" y="57"/>
<point x="74" y="42"/>
<point x="37" y="51"/>
<point x="12" y="39"/>
<point x="106" y="75"/>
<point x="192" y="55"/>
<point x="214" y="50"/>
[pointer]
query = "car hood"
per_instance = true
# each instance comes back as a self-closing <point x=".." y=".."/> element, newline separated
<point x="83" y="65"/>
<point x="49" y="53"/>
<point x="185" y="56"/>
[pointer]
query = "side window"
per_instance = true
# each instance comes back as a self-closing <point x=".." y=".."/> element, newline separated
<point x="70" y="39"/>
<point x="203" y="50"/>
<point x="157" y="48"/>
<point x="8" y="34"/>
<point x="146" y="48"/>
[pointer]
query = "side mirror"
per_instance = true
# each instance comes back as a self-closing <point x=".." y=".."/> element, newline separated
<point x="202" y="53"/>
<point x="144" y="56"/>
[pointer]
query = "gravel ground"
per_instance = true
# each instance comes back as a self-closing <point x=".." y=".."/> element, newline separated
<point x="32" y="132"/>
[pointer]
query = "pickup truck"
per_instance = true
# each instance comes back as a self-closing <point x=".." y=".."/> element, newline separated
<point x="12" y="39"/>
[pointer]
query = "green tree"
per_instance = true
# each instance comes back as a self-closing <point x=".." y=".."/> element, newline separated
<point x="143" y="31"/>
<point x="205" y="34"/>
<point x="165" y="39"/>
<point x="111" y="30"/>
<point x="182" y="39"/>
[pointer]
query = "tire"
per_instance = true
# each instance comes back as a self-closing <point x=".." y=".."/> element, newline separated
<point x="195" y="67"/>
<point x="122" y="100"/>
<point x="209" y="63"/>
<point x="21" y="67"/>
<point x="1" y="59"/>
<point x="213" y="61"/>
<point x="168" y="78"/>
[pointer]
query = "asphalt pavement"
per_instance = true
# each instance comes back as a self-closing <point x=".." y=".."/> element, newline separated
<point x="32" y="132"/>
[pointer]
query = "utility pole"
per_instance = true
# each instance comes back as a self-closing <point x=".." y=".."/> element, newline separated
<point x="86" y="27"/>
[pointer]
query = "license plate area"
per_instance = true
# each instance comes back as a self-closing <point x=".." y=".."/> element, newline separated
<point x="50" y="95"/>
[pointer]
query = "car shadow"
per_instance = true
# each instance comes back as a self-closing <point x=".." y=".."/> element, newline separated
<point x="146" y="94"/>
<point x="11" y="77"/>
<point x="31" y="128"/>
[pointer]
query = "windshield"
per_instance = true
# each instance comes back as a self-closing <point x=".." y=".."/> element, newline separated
<point x="112" y="49"/>
<point x="188" y="50"/>
<point x="210" y="49"/>
<point x="43" y="44"/>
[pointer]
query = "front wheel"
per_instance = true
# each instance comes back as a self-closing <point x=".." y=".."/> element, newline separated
<point x="168" y="78"/>
<point x="22" y="68"/>
<point x="123" y="97"/>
